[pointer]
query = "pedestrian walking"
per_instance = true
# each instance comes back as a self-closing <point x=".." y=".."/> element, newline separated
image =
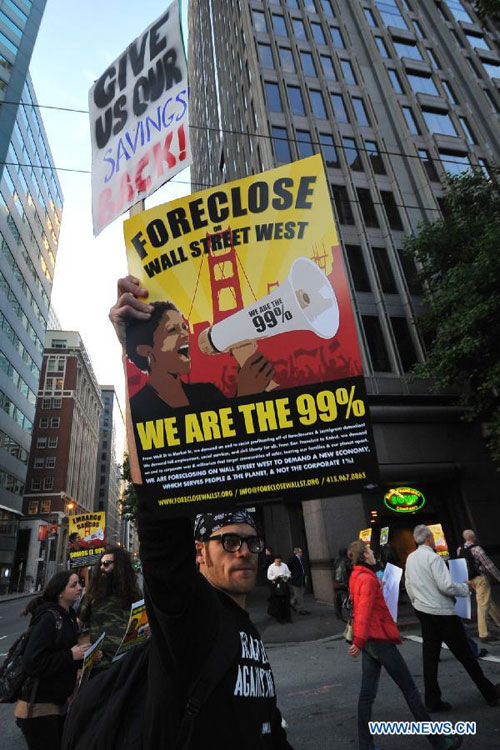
<point x="297" y="581"/>
<point x="480" y="566"/>
<point x="105" y="608"/>
<point x="279" y="601"/>
<point x="375" y="637"/>
<point x="51" y="660"/>
<point x="195" y="592"/>
<point x="432" y="594"/>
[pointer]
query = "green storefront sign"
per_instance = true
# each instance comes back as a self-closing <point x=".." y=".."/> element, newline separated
<point x="404" y="500"/>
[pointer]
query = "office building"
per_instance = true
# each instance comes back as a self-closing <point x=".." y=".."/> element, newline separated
<point x="393" y="94"/>
<point x="62" y="462"/>
<point x="108" y="473"/>
<point x="30" y="217"/>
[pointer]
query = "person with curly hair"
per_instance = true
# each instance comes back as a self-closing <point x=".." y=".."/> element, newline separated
<point x="105" y="608"/>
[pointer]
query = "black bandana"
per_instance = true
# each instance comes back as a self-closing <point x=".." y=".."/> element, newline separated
<point x="206" y="523"/>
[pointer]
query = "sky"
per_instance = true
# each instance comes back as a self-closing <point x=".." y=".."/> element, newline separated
<point x="75" y="44"/>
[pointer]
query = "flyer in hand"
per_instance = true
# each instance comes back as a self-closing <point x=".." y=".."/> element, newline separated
<point x="137" y="629"/>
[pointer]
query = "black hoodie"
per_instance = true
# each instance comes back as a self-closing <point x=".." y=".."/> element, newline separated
<point x="184" y="611"/>
<point x="48" y="654"/>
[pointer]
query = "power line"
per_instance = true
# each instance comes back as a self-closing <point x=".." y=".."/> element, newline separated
<point x="257" y="135"/>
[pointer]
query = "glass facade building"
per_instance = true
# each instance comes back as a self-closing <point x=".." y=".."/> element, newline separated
<point x="393" y="94"/>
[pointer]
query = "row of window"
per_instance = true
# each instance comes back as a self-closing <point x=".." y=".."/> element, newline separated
<point x="387" y="280"/>
<point x="10" y="483"/>
<point x="53" y="384"/>
<point x="51" y="403"/>
<point x="367" y="207"/>
<point x="48" y="462"/>
<point x="47" y="483"/>
<point x="309" y="66"/>
<point x="5" y="249"/>
<point x="16" y="342"/>
<point x="56" y="364"/>
<point x="15" y="306"/>
<point x="311" y="6"/>
<point x="22" y="386"/>
<point x="52" y="422"/>
<point x="377" y="346"/>
<point x="15" y="413"/>
<point x="47" y="442"/>
<point x="317" y="104"/>
<point x="10" y="446"/>
<point x="298" y="29"/>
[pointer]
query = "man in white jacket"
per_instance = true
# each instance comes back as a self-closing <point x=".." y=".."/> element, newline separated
<point x="432" y="593"/>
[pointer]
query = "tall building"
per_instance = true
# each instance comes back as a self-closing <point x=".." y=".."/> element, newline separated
<point x="30" y="217"/>
<point x="393" y="94"/>
<point x="62" y="461"/>
<point x="108" y="472"/>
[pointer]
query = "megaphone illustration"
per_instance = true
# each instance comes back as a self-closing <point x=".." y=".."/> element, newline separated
<point x="305" y="301"/>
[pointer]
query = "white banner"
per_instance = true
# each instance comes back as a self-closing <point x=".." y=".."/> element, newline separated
<point x="459" y="574"/>
<point x="392" y="579"/>
<point x="139" y="120"/>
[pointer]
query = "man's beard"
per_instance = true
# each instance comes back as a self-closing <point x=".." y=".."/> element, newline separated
<point x="104" y="585"/>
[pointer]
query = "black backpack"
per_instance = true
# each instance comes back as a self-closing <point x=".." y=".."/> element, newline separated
<point x="109" y="710"/>
<point x="12" y="675"/>
<point x="473" y="569"/>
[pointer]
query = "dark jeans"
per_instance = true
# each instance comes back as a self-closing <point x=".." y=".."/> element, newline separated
<point x="42" y="733"/>
<point x="375" y="655"/>
<point x="450" y="629"/>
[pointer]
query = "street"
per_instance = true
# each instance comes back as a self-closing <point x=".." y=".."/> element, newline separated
<point x="318" y="685"/>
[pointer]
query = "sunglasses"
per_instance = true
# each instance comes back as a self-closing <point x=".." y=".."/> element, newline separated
<point x="106" y="563"/>
<point x="233" y="542"/>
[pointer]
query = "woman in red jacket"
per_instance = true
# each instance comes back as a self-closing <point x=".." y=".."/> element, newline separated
<point x="376" y="636"/>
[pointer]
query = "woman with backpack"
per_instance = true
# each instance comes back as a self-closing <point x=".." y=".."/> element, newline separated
<point x="50" y="660"/>
<point x="376" y="637"/>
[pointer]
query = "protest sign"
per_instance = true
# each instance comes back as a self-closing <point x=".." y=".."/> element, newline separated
<point x="459" y="574"/>
<point x="392" y="578"/>
<point x="137" y="629"/>
<point x="384" y="536"/>
<point x="247" y="382"/>
<point x="439" y="539"/>
<point x="90" y="659"/>
<point x="139" y="120"/>
<point x="86" y="538"/>
<point x="366" y="535"/>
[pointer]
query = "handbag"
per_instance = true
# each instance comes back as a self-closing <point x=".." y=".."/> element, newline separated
<point x="349" y="629"/>
<point x="348" y="632"/>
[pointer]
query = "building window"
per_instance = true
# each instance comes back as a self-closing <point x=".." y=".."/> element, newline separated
<point x="59" y="344"/>
<point x="493" y="69"/>
<point x="318" y="33"/>
<point x="273" y="97"/>
<point x="458" y="11"/>
<point x="422" y="84"/>
<point x="428" y="165"/>
<point x="43" y="423"/>
<point x="367" y="208"/>
<point x="485" y="167"/>
<point x="376" y="343"/>
<point x="410" y="273"/>
<point x="454" y="163"/>
<point x="375" y="157"/>
<point x="396" y="83"/>
<point x="50" y="462"/>
<point x="360" y="111"/>
<point x="439" y="122"/>
<point x="419" y="30"/>
<point x="281" y="145"/>
<point x="343" y="204"/>
<point x="259" y="20"/>
<point x="476" y="40"/>
<point x="369" y="17"/>
<point x="348" y="72"/>
<point x="307" y="63"/>
<point x="391" y="209"/>
<point x="286" y="60"/>
<point x="53" y="442"/>
<point x="384" y="270"/>
<point x="299" y="29"/>
<point x="36" y="484"/>
<point x="329" y="151"/>
<point x="295" y="101"/>
<point x="327" y="8"/>
<point x="46" y="403"/>
<point x="391" y="15"/>
<point x="265" y="55"/>
<point x="55" y="422"/>
<point x="279" y="25"/>
<point x="407" y="49"/>
<point x="352" y="155"/>
<point x="317" y="104"/>
<point x="38" y="463"/>
<point x="57" y="403"/>
<point x="310" y="6"/>
<point x="339" y="108"/>
<point x="304" y="145"/>
<point x="433" y="58"/>
<point x="381" y="46"/>
<point x="328" y="69"/>
<point x="337" y="38"/>
<point x="471" y="138"/>
<point x="41" y="442"/>
<point x="33" y="507"/>
<point x="449" y="92"/>
<point x="404" y="342"/>
<point x="410" y="121"/>
<point x="48" y="483"/>
<point x="357" y="265"/>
